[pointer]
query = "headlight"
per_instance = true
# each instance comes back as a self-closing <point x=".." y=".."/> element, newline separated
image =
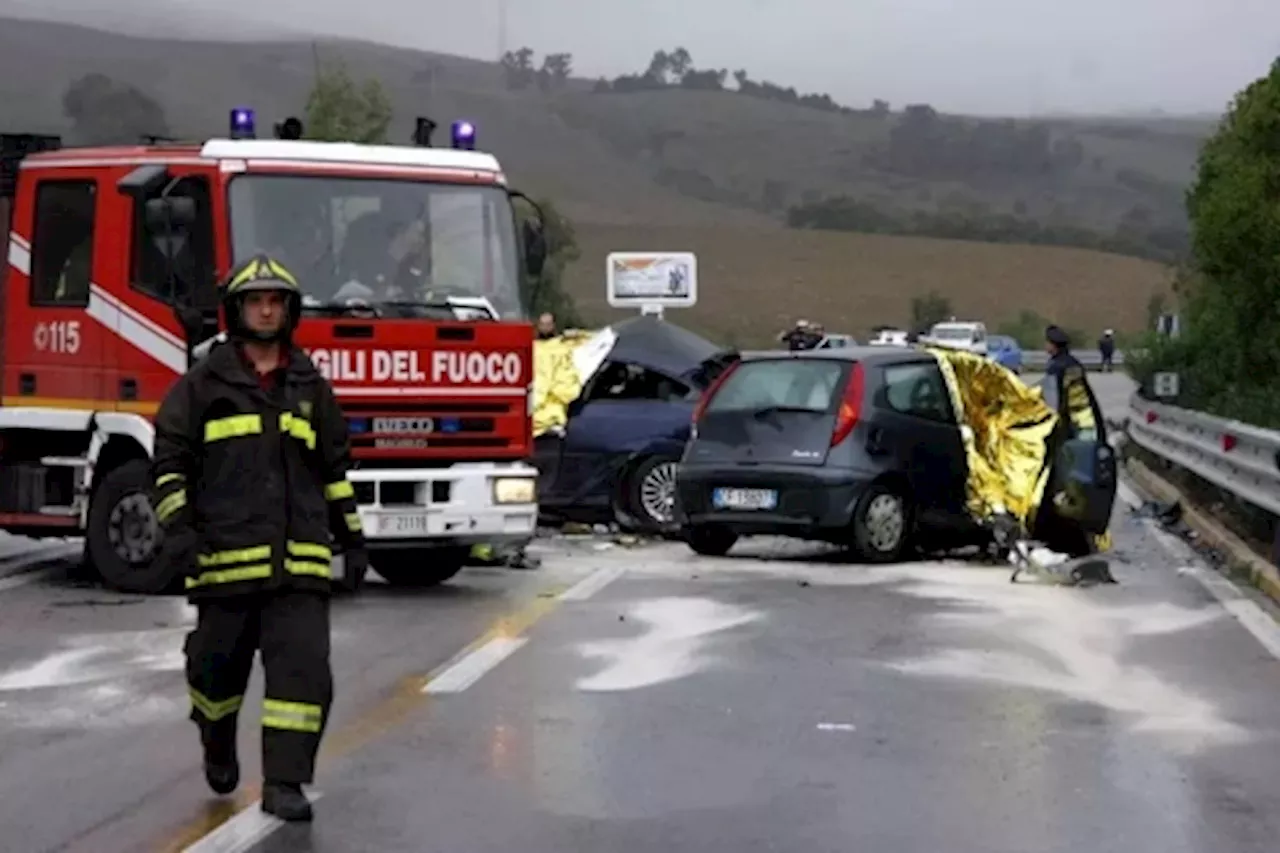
<point x="515" y="490"/>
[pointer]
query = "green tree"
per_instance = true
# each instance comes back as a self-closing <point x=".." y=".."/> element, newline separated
<point x="548" y="293"/>
<point x="1227" y="354"/>
<point x="341" y="110"/>
<point x="926" y="310"/>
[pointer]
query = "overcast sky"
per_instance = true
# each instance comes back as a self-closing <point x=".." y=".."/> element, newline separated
<point x="981" y="56"/>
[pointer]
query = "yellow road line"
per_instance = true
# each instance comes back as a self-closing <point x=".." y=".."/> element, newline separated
<point x="407" y="698"/>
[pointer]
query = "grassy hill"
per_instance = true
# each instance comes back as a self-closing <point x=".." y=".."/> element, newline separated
<point x="715" y="171"/>
<point x="753" y="283"/>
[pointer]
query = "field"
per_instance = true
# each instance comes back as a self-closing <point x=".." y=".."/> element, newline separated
<point x="711" y="171"/>
<point x="752" y="283"/>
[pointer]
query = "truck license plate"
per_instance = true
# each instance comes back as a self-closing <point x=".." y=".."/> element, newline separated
<point x="406" y="522"/>
<point x="744" y="499"/>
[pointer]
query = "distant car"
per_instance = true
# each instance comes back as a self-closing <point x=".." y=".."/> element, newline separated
<point x="859" y="447"/>
<point x="890" y="338"/>
<point x="1005" y="351"/>
<point x="836" y="342"/>
<point x="968" y="336"/>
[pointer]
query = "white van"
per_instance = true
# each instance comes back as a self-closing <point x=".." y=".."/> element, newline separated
<point x="971" y="337"/>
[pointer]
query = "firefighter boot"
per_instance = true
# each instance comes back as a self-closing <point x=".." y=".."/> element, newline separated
<point x="286" y="801"/>
<point x="221" y="768"/>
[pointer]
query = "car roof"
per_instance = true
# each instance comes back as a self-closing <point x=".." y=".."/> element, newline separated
<point x="864" y="354"/>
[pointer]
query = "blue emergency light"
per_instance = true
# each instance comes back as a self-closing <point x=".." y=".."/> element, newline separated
<point x="464" y="135"/>
<point x="242" y="123"/>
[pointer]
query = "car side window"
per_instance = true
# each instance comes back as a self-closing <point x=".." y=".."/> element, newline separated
<point x="917" y="390"/>
<point x="621" y="381"/>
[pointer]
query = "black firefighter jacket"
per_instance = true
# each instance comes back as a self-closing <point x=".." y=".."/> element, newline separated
<point x="250" y="483"/>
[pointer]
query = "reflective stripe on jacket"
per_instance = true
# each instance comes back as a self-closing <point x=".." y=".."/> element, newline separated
<point x="259" y="477"/>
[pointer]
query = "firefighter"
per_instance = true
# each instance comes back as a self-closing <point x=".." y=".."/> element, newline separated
<point x="251" y="457"/>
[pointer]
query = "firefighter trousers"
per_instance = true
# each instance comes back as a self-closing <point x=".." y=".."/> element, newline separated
<point x="291" y="630"/>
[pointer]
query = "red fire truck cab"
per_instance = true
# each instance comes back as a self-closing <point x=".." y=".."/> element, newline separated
<point x="411" y="264"/>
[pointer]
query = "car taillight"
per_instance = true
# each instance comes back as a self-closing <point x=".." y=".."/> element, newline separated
<point x="850" y="406"/>
<point x="711" y="391"/>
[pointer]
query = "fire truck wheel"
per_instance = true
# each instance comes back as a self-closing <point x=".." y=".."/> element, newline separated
<point x="416" y="567"/>
<point x="123" y="533"/>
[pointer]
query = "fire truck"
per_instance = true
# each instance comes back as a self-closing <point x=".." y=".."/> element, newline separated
<point x="411" y="260"/>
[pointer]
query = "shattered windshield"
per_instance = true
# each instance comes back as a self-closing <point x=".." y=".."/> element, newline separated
<point x="399" y="244"/>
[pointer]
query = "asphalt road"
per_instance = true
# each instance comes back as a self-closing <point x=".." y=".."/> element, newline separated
<point x="634" y="700"/>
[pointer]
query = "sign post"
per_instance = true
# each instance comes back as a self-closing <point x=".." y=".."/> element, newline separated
<point x="652" y="281"/>
<point x="1165" y="385"/>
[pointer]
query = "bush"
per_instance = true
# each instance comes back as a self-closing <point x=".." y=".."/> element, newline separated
<point x="1028" y="330"/>
<point x="1226" y="356"/>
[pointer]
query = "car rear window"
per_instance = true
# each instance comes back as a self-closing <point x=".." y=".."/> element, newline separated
<point x="799" y="383"/>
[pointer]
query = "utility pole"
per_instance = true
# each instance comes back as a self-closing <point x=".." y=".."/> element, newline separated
<point x="502" y="28"/>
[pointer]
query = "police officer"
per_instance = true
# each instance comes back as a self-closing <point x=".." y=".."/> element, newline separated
<point x="251" y="458"/>
<point x="1107" y="349"/>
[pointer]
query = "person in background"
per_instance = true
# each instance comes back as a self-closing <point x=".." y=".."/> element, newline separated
<point x="1107" y="348"/>
<point x="800" y="336"/>
<point x="547" y="326"/>
<point x="1058" y="345"/>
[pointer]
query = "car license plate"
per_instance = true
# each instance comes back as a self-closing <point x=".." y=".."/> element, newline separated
<point x="744" y="498"/>
<point x="406" y="522"/>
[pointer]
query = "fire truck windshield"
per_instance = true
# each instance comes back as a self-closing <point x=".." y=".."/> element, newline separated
<point x="394" y="242"/>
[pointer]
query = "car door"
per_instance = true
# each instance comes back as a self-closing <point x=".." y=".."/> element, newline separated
<point x="915" y="424"/>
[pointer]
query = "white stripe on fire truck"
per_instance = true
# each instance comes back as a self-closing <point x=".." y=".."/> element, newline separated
<point x="19" y="253"/>
<point x="136" y="330"/>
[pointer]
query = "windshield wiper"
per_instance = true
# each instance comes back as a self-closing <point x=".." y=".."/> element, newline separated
<point x="768" y="411"/>
<point x="338" y="309"/>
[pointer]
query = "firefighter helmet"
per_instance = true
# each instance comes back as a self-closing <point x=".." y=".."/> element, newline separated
<point x="257" y="274"/>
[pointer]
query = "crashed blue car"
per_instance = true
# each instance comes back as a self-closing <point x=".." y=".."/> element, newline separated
<point x="615" y="459"/>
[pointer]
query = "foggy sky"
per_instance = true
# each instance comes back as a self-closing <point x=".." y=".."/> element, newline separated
<point x="1010" y="57"/>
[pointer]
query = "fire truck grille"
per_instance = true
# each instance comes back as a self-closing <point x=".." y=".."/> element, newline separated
<point x="434" y="426"/>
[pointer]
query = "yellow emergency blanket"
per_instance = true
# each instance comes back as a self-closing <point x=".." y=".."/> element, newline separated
<point x="1005" y="426"/>
<point x="556" y="382"/>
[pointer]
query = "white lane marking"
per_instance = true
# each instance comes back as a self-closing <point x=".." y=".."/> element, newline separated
<point x="837" y="727"/>
<point x="251" y="826"/>
<point x="472" y="666"/>
<point x="1242" y="608"/>
<point x="672" y="646"/>
<point x="592" y="584"/>
<point x="243" y="831"/>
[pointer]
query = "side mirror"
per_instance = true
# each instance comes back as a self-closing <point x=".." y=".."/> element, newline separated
<point x="535" y="250"/>
<point x="191" y="319"/>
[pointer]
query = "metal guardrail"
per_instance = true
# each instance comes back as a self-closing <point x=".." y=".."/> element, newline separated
<point x="1237" y="457"/>
<point x="1090" y="358"/>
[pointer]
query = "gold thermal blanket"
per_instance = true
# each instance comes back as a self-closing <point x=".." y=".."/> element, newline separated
<point x="1005" y="426"/>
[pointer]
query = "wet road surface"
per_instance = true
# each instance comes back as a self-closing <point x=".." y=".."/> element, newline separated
<point x="644" y="699"/>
